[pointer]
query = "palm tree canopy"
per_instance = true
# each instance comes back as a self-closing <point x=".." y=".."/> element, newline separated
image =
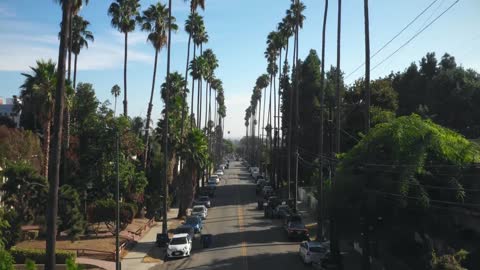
<point x="295" y="13"/>
<point x="263" y="81"/>
<point x="195" y="4"/>
<point x="115" y="90"/>
<point x="80" y="34"/>
<point x="212" y="64"/>
<point x="194" y="150"/>
<point x="39" y="88"/>
<point x="200" y="36"/>
<point x="124" y="14"/>
<point x="155" y="20"/>
<point x="198" y="67"/>
<point x="193" y="23"/>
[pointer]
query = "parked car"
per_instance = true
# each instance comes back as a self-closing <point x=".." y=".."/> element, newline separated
<point x="296" y="230"/>
<point x="162" y="240"/>
<point x="281" y="211"/>
<point x="219" y="172"/>
<point x="179" y="246"/>
<point x="259" y="178"/>
<point x="199" y="210"/>
<point x="267" y="191"/>
<point x="214" y="179"/>
<point x="328" y="263"/>
<point x="195" y="222"/>
<point x="292" y="218"/>
<point x="186" y="229"/>
<point x="272" y="202"/>
<point x="203" y="200"/>
<point x="313" y="251"/>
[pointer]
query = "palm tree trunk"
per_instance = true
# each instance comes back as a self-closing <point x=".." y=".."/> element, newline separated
<point x="274" y="130"/>
<point x="115" y="109"/>
<point x="46" y="146"/>
<point x="263" y="113"/>
<point x="246" y="136"/>
<point x="193" y="90"/>
<point x="70" y="43"/>
<point x="270" y="123"/>
<point x="321" y="206"/>
<point x="149" y="113"/>
<point x="75" y="71"/>
<point x="54" y="159"/>
<point x="207" y="115"/>
<point x="125" y="101"/>
<point x="185" y="88"/>
<point x="165" y="130"/>
<point x="259" y="125"/>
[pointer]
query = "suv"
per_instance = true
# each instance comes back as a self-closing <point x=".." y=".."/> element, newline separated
<point x="203" y="200"/>
<point x="180" y="246"/>
<point x="195" y="222"/>
<point x="199" y="210"/>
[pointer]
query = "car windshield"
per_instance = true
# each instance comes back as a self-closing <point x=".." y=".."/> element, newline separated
<point x="197" y="209"/>
<point x="317" y="249"/>
<point x="297" y="225"/>
<point x="183" y="230"/>
<point x="203" y="199"/>
<point x="179" y="241"/>
<point x="192" y="220"/>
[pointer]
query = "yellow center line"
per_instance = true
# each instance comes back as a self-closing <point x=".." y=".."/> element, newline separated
<point x="241" y="228"/>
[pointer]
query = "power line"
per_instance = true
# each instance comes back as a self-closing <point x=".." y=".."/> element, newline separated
<point x="416" y="198"/>
<point x="392" y="39"/>
<point x="417" y="34"/>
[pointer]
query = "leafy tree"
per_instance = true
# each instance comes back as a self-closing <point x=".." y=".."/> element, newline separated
<point x="4" y="226"/>
<point x="6" y="260"/>
<point x="124" y="14"/>
<point x="70" y="217"/>
<point x="18" y="145"/>
<point x="24" y="190"/>
<point x="449" y="261"/>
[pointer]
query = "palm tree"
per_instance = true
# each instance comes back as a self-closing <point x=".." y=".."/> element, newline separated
<point x="39" y="90"/>
<point x="199" y="39"/>
<point x="80" y="38"/>
<point x="192" y="26"/>
<point x="194" y="151"/>
<point x="115" y="92"/>
<point x="212" y="64"/>
<point x="124" y="14"/>
<point x="198" y="69"/>
<point x="55" y="153"/>
<point x="320" y="207"/>
<point x="75" y="9"/>
<point x="155" y="21"/>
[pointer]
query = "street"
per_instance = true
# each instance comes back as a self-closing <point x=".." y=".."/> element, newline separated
<point x="242" y="238"/>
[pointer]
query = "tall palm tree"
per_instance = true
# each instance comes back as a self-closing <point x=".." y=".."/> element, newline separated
<point x="115" y="93"/>
<point x="124" y="14"/>
<point x="155" y="21"/>
<point x="200" y="38"/>
<point x="198" y="69"/>
<point x="75" y="9"/>
<point x="55" y="152"/>
<point x="321" y="206"/>
<point x="212" y="64"/>
<point x="80" y="37"/>
<point x="192" y="26"/>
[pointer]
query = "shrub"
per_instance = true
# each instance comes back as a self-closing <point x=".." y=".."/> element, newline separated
<point x="104" y="211"/>
<point x="6" y="260"/>
<point x="20" y="255"/>
<point x="30" y="265"/>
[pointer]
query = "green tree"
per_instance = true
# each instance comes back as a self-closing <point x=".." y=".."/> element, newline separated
<point x="6" y="260"/>
<point x="155" y="20"/>
<point x="70" y="217"/>
<point x="24" y="190"/>
<point x="124" y="14"/>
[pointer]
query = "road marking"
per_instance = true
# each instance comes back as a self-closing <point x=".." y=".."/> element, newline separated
<point x="241" y="228"/>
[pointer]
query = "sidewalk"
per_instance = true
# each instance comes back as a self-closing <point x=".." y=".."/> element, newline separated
<point x="135" y="257"/>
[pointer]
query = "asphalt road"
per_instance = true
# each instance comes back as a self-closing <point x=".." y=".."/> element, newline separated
<point x="242" y="238"/>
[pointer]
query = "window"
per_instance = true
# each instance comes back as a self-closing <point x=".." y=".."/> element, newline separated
<point x="179" y="241"/>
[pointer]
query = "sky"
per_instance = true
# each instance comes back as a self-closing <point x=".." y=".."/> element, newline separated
<point x="237" y="32"/>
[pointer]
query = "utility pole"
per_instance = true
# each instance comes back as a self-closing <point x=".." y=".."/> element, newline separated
<point x="320" y="204"/>
<point x="366" y="265"/>
<point x="118" y="265"/>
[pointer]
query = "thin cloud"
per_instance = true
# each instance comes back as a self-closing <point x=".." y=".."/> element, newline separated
<point x="6" y="12"/>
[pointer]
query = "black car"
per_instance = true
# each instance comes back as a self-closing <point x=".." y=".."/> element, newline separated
<point x="281" y="211"/>
<point x="272" y="202"/>
<point x="185" y="229"/>
<point x="162" y="239"/>
<point x="296" y="230"/>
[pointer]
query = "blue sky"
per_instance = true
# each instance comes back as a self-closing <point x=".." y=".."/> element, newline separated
<point x="237" y="30"/>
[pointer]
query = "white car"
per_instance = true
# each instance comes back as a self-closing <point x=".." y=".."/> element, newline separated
<point x="214" y="178"/>
<point x="313" y="251"/>
<point x="199" y="210"/>
<point x="180" y="246"/>
<point x="219" y="172"/>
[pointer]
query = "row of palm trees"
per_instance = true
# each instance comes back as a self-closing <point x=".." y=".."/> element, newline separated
<point x="125" y="16"/>
<point x="276" y="42"/>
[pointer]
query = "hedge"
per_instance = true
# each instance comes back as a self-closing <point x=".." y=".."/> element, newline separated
<point x="20" y="255"/>
<point x="104" y="211"/>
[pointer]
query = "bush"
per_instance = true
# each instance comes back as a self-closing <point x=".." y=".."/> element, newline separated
<point x="6" y="260"/>
<point x="20" y="255"/>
